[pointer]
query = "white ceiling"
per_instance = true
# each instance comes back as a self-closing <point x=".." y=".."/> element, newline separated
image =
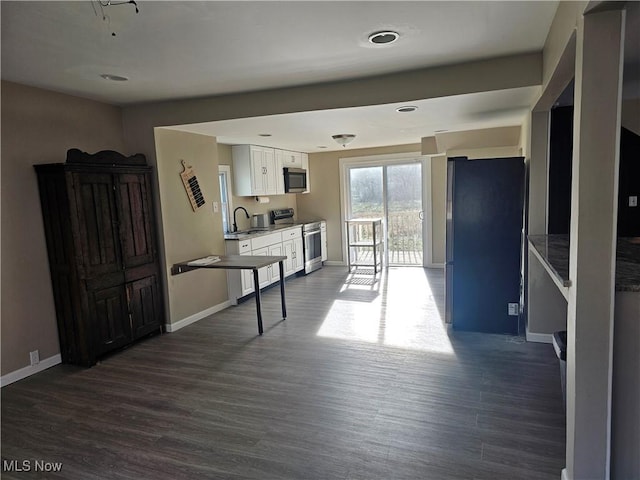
<point x="377" y="125"/>
<point x="178" y="49"/>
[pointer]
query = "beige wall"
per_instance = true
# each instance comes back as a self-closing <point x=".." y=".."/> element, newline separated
<point x="562" y="29"/>
<point x="487" y="75"/>
<point x="438" y="208"/>
<point x="189" y="234"/>
<point x="275" y="201"/>
<point x="324" y="199"/>
<point x="38" y="126"/>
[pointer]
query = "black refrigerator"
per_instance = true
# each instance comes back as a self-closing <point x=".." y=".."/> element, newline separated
<point x="485" y="199"/>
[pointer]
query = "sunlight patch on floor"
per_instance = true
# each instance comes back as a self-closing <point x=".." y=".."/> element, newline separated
<point x="398" y="310"/>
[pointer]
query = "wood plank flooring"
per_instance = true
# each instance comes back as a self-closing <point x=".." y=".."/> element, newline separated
<point x="362" y="381"/>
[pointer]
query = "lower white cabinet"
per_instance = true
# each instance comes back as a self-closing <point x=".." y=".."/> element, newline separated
<point x="285" y="242"/>
<point x="271" y="273"/>
<point x="293" y="249"/>
<point x="239" y="282"/>
<point x="323" y="240"/>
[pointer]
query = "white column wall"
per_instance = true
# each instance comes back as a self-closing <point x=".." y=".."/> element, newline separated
<point x="598" y="82"/>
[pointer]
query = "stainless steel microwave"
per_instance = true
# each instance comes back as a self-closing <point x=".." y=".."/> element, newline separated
<point x="295" y="180"/>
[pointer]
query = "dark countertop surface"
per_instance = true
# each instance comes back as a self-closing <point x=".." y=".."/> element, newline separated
<point x="259" y="231"/>
<point x="231" y="262"/>
<point x="555" y="250"/>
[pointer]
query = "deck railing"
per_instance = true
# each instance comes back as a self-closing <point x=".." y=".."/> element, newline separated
<point x="404" y="238"/>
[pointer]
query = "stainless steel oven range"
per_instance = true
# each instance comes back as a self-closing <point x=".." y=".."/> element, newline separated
<point x="311" y="233"/>
<point x="312" y="236"/>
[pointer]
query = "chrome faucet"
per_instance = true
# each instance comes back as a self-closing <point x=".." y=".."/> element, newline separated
<point x="235" y="227"/>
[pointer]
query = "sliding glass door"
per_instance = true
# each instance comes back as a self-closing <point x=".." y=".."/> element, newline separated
<point x="404" y="214"/>
<point x="392" y="192"/>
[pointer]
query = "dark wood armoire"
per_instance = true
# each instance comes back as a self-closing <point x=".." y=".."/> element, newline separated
<point x="101" y="239"/>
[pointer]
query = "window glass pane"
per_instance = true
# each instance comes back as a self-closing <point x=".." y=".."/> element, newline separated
<point x="366" y="192"/>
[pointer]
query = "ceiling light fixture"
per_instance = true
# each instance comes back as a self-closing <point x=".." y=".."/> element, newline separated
<point x="264" y="134"/>
<point x="102" y="4"/>
<point x="406" y="109"/>
<point x="113" y="78"/>
<point x="384" y="37"/>
<point x="343" y="138"/>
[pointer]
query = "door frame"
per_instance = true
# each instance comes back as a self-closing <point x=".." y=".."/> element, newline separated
<point x="380" y="161"/>
<point x="226" y="170"/>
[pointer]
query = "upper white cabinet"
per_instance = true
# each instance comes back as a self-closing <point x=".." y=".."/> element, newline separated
<point x="279" y="161"/>
<point x="255" y="171"/>
<point x="304" y="158"/>
<point x="291" y="159"/>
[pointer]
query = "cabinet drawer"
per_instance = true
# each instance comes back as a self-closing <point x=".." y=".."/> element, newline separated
<point x="266" y="240"/>
<point x="238" y="247"/>
<point x="244" y="247"/>
<point x="291" y="233"/>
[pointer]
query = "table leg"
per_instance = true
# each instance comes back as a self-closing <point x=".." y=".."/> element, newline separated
<point x="256" y="285"/>
<point x="282" y="300"/>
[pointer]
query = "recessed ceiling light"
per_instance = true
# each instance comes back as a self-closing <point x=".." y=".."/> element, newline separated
<point x="114" y="78"/>
<point x="406" y="109"/>
<point x="264" y="134"/>
<point x="384" y="37"/>
<point x="322" y="146"/>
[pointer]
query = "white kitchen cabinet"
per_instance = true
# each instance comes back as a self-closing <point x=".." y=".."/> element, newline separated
<point x="279" y="165"/>
<point x="254" y="171"/>
<point x="271" y="273"/>
<point x="305" y="165"/>
<point x="293" y="248"/>
<point x="323" y="240"/>
<point x="239" y="282"/>
<point x="291" y="159"/>
<point x="286" y="242"/>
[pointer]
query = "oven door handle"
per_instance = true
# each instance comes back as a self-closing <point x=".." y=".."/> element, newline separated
<point x="308" y="234"/>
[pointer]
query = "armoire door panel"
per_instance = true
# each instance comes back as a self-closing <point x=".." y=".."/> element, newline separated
<point x="136" y="219"/>
<point x="97" y="218"/>
<point x="144" y="304"/>
<point x="108" y="308"/>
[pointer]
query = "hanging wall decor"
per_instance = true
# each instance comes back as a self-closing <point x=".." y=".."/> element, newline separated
<point x="190" y="182"/>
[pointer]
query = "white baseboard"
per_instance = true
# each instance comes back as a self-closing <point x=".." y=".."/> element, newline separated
<point x="30" y="370"/>
<point x="435" y="265"/>
<point x="539" y="337"/>
<point x="172" y="327"/>
<point x="334" y="263"/>
<point x="565" y="475"/>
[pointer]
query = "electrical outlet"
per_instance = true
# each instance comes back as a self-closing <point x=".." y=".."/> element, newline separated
<point x="513" y="309"/>
<point x="34" y="357"/>
<point x="633" y="201"/>
<point x="216" y="208"/>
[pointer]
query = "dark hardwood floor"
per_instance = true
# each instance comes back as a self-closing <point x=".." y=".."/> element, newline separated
<point x="362" y="381"/>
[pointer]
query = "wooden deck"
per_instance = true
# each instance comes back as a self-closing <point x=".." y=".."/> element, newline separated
<point x="396" y="257"/>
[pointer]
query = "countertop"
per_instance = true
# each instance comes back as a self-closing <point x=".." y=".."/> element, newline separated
<point x="554" y="249"/>
<point x="260" y="231"/>
<point x="231" y="262"/>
